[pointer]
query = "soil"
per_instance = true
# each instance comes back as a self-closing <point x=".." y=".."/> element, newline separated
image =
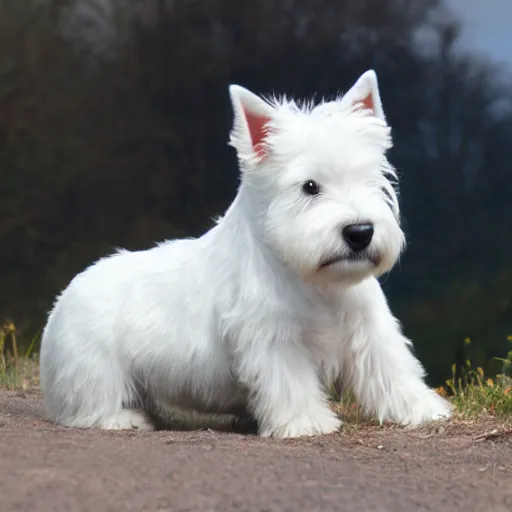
<point x="450" y="467"/>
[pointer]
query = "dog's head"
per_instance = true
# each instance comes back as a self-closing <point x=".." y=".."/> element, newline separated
<point x="320" y="186"/>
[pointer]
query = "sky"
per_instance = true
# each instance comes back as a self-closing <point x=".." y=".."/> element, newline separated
<point x="487" y="27"/>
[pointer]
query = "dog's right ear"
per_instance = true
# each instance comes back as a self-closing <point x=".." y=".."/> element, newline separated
<point x="365" y="93"/>
<point x="250" y="124"/>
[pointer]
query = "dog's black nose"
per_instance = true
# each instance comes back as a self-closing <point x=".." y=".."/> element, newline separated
<point x="358" y="236"/>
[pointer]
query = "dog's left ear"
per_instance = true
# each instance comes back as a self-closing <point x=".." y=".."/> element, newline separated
<point x="365" y="92"/>
<point x="250" y="123"/>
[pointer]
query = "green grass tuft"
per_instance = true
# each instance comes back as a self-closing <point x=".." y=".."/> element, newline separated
<point x="474" y="395"/>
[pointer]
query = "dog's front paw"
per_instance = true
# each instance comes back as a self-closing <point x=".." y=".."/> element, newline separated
<point x="307" y="424"/>
<point x="429" y="407"/>
<point x="127" y="419"/>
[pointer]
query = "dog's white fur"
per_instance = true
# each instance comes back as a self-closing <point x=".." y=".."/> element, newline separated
<point x="245" y="318"/>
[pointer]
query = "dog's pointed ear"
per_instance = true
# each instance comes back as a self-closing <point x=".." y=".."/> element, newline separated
<point x="365" y="93"/>
<point x="250" y="123"/>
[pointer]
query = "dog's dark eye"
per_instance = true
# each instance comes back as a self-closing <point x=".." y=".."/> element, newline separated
<point x="311" y="188"/>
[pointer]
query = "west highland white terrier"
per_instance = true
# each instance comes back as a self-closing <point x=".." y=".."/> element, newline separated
<point x="279" y="298"/>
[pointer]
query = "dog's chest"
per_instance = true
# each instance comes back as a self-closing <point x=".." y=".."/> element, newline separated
<point x="322" y="323"/>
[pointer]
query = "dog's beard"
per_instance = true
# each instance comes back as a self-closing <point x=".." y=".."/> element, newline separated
<point x="350" y="257"/>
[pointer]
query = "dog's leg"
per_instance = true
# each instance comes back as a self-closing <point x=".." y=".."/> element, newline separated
<point x="383" y="373"/>
<point x="285" y="395"/>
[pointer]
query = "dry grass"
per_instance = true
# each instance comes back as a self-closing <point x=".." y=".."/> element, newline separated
<point x="17" y="371"/>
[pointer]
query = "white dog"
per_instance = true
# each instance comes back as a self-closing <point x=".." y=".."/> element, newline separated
<point x="280" y="297"/>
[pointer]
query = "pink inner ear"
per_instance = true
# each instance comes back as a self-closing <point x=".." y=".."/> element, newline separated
<point x="368" y="102"/>
<point x="258" y="131"/>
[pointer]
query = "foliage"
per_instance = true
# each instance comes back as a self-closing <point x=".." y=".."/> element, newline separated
<point x="480" y="310"/>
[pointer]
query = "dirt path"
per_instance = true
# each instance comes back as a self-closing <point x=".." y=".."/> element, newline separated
<point x="47" y="468"/>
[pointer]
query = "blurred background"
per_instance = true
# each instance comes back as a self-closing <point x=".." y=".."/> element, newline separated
<point x="114" y="122"/>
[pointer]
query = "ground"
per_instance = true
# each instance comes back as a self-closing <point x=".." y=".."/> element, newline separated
<point x="457" y="466"/>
